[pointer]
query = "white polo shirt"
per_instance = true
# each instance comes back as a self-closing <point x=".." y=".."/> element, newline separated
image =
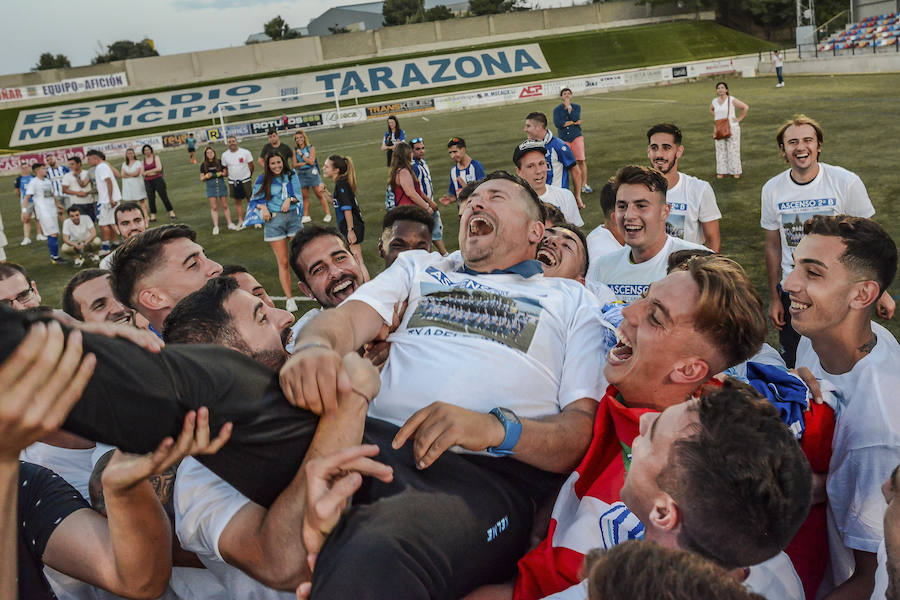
<point x="692" y="202"/>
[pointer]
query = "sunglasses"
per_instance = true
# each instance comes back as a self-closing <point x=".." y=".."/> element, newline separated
<point x="416" y="140"/>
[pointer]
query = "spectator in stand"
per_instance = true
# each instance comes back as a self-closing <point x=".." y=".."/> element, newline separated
<point x="274" y="146"/>
<point x="560" y="160"/>
<point x="55" y="173"/>
<point x="423" y="174"/>
<point x="607" y="237"/>
<point x="349" y="218"/>
<point x="133" y="188"/>
<point x="77" y="186"/>
<point x="213" y="173"/>
<point x="154" y="182"/>
<point x="275" y="191"/>
<point x="567" y="118"/>
<point x="392" y="137"/>
<point x="404" y="228"/>
<point x="79" y="237"/>
<point x="191" y="148"/>
<point x="466" y="170"/>
<point x="239" y="164"/>
<point x="307" y="168"/>
<point x="728" y="149"/>
<point x="21" y="185"/>
<point x="108" y="196"/>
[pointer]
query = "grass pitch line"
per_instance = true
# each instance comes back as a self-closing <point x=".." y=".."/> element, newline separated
<point x="625" y="99"/>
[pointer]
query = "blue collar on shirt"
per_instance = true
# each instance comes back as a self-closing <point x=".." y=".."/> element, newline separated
<point x="526" y="269"/>
<point x="151" y="328"/>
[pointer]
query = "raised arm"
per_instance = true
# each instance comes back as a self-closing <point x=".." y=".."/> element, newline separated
<point x="773" y="275"/>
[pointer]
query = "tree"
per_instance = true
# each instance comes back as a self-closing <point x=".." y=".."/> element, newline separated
<point x="48" y="61"/>
<point x="125" y="49"/>
<point x="438" y="13"/>
<point x="494" y="7"/>
<point x="401" y="12"/>
<point x="338" y="29"/>
<point x="277" y="29"/>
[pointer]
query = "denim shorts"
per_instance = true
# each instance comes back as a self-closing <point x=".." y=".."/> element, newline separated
<point x="282" y="226"/>
<point x="309" y="178"/>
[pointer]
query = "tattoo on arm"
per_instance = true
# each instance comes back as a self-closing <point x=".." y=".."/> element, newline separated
<point x="163" y="484"/>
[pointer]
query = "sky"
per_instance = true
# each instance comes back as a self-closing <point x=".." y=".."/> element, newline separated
<point x="175" y="26"/>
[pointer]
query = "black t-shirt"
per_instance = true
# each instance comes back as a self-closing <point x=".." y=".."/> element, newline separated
<point x="45" y="500"/>
<point x="282" y="150"/>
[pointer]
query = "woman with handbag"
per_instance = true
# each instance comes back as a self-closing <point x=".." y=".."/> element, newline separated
<point x="727" y="133"/>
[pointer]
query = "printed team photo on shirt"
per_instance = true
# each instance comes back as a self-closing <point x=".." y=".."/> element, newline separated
<point x="676" y="219"/>
<point x="795" y="213"/>
<point x="508" y="320"/>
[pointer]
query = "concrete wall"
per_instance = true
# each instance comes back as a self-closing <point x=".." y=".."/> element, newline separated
<point x="884" y="61"/>
<point x="869" y="8"/>
<point x="175" y="70"/>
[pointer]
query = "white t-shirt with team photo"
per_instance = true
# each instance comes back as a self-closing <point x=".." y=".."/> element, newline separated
<point x="691" y="202"/>
<point x="531" y="344"/>
<point x="865" y="448"/>
<point x="629" y="280"/>
<point x="80" y="232"/>
<point x="102" y="172"/>
<point x="786" y="205"/>
<point x="564" y="200"/>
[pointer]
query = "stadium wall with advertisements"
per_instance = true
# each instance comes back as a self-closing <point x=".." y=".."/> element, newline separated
<point x="255" y="60"/>
<point x="745" y="66"/>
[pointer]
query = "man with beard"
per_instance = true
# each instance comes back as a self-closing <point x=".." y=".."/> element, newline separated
<point x="546" y="374"/>
<point x="693" y="212"/>
<point x="233" y="536"/>
<point x="325" y="267"/>
<point x="89" y="297"/>
<point x="788" y="200"/>
<point x="155" y="269"/>
<point x="641" y="213"/>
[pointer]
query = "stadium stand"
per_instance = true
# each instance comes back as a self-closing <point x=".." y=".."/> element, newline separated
<point x="872" y="32"/>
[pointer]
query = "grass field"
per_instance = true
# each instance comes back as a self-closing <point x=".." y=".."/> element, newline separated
<point x="598" y="51"/>
<point x="857" y="114"/>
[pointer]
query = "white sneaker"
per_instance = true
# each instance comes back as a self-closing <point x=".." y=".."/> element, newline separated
<point x="306" y="219"/>
<point x="215" y="231"/>
<point x="257" y="226"/>
<point x="586" y="189"/>
<point x="79" y="261"/>
<point x="327" y="218"/>
<point x="779" y="84"/>
<point x="290" y="305"/>
<point x="232" y="227"/>
<point x="95" y="257"/>
<point x="41" y="237"/>
<point x="25" y="241"/>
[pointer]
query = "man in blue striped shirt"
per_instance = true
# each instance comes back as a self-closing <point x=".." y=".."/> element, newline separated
<point x="55" y="173"/>
<point x="465" y="171"/>
<point x="423" y="174"/>
<point x="560" y="159"/>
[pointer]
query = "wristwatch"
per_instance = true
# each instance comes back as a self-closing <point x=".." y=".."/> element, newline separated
<point x="513" y="428"/>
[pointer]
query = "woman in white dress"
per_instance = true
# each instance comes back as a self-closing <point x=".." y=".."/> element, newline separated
<point x="133" y="180"/>
<point x="728" y="150"/>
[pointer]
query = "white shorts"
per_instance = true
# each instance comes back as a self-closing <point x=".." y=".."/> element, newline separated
<point x="107" y="215"/>
<point x="46" y="216"/>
